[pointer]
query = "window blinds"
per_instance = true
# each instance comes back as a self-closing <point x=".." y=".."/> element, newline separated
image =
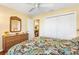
<point x="61" y="26"/>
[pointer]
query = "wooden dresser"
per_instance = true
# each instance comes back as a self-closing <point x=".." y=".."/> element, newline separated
<point x="10" y="41"/>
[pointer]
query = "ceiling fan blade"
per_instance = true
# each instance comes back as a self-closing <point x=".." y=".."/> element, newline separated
<point x="31" y="9"/>
<point x="37" y="5"/>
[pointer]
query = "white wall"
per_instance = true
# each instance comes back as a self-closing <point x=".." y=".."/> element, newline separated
<point x="5" y="14"/>
<point x="0" y="42"/>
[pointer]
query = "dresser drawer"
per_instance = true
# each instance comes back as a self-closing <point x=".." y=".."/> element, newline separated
<point x="10" y="41"/>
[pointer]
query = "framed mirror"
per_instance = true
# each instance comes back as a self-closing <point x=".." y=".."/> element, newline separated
<point x="15" y="24"/>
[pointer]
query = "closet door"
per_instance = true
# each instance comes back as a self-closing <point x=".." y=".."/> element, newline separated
<point x="66" y="26"/>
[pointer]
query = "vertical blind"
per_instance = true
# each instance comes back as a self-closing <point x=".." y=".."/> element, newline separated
<point x="61" y="26"/>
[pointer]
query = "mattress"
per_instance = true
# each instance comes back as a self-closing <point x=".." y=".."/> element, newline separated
<point x="44" y="46"/>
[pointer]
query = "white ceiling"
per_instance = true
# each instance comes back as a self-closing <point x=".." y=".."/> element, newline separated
<point x="44" y="7"/>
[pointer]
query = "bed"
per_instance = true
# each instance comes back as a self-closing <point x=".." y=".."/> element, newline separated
<point x="44" y="46"/>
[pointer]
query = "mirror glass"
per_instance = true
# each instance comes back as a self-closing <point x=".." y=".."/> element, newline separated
<point x="15" y="24"/>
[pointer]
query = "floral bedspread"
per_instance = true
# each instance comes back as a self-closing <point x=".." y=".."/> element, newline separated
<point x="46" y="47"/>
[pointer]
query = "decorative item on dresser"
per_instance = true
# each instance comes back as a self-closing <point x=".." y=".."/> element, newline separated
<point x="9" y="41"/>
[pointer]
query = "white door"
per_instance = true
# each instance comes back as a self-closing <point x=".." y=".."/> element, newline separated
<point x="30" y="28"/>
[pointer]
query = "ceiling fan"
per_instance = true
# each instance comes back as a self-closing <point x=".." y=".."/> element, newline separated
<point x="36" y="6"/>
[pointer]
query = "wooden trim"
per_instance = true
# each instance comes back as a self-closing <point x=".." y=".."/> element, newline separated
<point x="15" y="18"/>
